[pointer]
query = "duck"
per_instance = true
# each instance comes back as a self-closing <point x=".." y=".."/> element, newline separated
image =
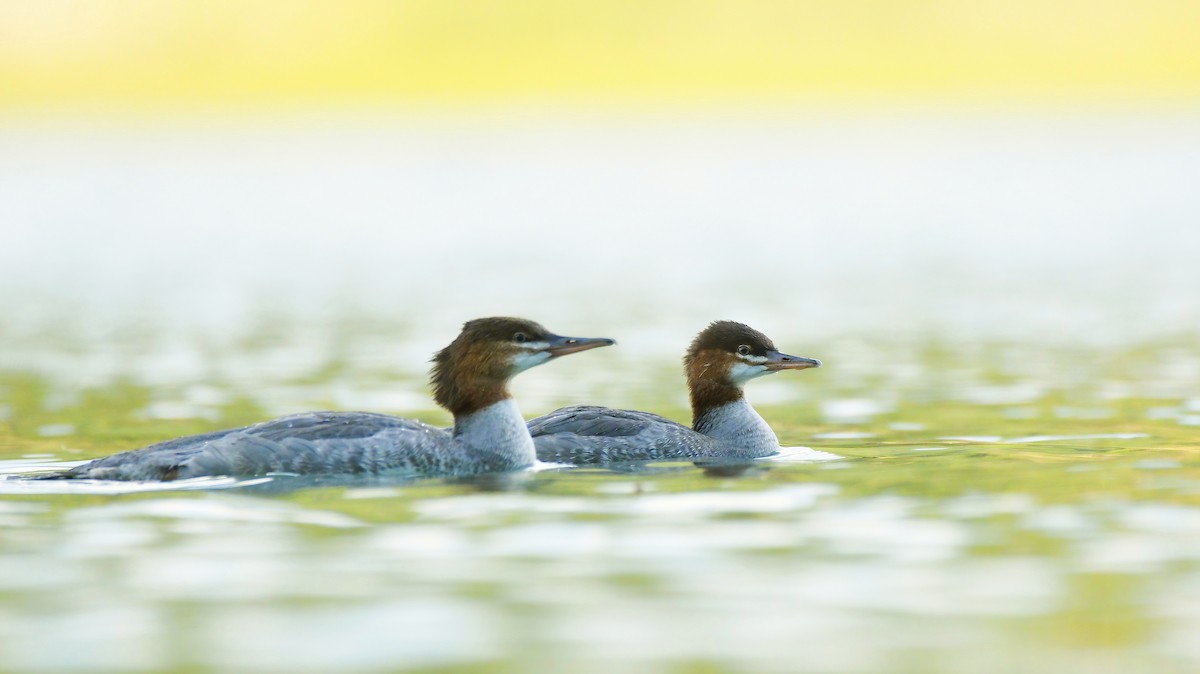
<point x="469" y="378"/>
<point x="718" y="363"/>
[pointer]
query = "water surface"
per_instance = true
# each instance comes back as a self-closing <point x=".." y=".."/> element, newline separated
<point x="977" y="523"/>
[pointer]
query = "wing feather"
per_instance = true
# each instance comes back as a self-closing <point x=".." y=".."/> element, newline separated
<point x="589" y="434"/>
<point x="312" y="442"/>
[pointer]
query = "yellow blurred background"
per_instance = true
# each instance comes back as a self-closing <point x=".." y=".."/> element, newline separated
<point x="59" y="53"/>
<point x="1001" y="162"/>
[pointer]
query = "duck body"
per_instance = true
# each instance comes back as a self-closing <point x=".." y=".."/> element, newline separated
<point x="589" y="434"/>
<point x="315" y="443"/>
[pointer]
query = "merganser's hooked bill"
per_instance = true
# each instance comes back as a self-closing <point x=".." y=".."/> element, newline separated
<point x="469" y="377"/>
<point x="719" y="362"/>
<point x="781" y="361"/>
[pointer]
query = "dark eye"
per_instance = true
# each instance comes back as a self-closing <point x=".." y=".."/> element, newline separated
<point x="520" y="338"/>
<point x="744" y="350"/>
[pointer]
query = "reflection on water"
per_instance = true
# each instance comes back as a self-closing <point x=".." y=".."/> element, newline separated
<point x="925" y="532"/>
<point x="601" y="570"/>
<point x="991" y="474"/>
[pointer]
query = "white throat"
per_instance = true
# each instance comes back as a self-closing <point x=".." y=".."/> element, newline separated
<point x="740" y="426"/>
<point x="533" y="354"/>
<point x="497" y="435"/>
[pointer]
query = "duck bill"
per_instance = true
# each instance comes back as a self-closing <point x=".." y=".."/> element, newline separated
<point x="781" y="361"/>
<point x="562" y="346"/>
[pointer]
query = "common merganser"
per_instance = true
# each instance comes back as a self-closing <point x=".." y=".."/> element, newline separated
<point x="470" y="379"/>
<point x="720" y="360"/>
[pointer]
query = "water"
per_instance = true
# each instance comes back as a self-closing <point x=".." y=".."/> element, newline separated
<point x="1010" y="417"/>
<point x="974" y="525"/>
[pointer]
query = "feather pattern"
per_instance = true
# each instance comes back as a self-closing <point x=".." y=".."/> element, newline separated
<point x="308" y="443"/>
<point x="589" y="434"/>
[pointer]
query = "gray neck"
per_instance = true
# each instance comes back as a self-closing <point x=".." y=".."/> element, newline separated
<point x="739" y="426"/>
<point x="496" y="436"/>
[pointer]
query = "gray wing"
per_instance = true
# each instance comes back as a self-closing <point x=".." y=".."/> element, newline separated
<point x="588" y="434"/>
<point x="313" y="442"/>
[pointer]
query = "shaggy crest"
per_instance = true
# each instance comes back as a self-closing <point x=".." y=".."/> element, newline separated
<point x="709" y="358"/>
<point x="473" y="371"/>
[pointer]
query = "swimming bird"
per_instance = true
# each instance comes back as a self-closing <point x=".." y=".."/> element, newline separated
<point x="469" y="377"/>
<point x="719" y="362"/>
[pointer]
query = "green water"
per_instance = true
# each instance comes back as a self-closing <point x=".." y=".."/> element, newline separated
<point x="997" y="508"/>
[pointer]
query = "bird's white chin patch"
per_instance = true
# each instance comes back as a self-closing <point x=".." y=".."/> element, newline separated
<point x="744" y="372"/>
<point x="530" y="358"/>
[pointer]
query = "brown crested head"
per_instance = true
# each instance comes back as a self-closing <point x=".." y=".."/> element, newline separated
<point x="473" y="371"/>
<point x="710" y="361"/>
<point x="726" y="355"/>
